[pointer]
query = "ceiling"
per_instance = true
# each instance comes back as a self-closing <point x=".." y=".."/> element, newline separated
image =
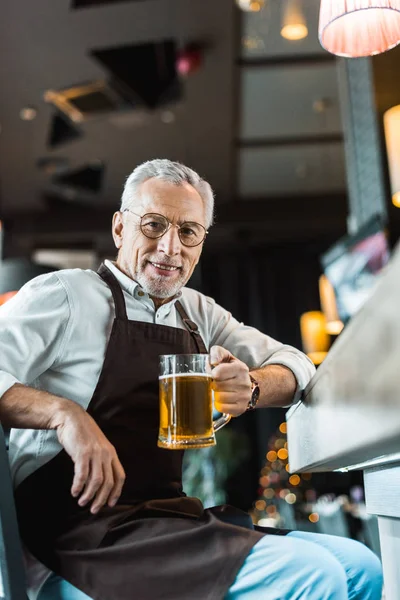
<point x="260" y="119"/>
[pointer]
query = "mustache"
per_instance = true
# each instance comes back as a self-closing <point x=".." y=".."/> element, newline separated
<point x="164" y="261"/>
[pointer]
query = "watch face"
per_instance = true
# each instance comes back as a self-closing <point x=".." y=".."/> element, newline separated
<point x="254" y="395"/>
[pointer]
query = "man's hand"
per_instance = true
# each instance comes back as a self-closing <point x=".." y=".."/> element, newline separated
<point x="99" y="475"/>
<point x="232" y="385"/>
<point x="98" y="471"/>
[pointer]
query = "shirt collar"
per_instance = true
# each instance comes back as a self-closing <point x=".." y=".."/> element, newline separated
<point x="128" y="285"/>
<point x="133" y="288"/>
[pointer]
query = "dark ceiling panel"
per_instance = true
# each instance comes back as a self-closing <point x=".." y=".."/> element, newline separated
<point x="87" y="3"/>
<point x="62" y="131"/>
<point x="88" y="178"/>
<point x="146" y="71"/>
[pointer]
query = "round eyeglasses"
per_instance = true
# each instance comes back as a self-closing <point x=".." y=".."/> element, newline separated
<point x="154" y="226"/>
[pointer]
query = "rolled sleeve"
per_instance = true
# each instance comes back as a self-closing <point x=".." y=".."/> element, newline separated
<point x="300" y="365"/>
<point x="257" y="349"/>
<point x="6" y="382"/>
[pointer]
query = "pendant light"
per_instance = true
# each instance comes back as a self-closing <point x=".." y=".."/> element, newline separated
<point x="355" y="28"/>
<point x="329" y="307"/>
<point x="250" y="5"/>
<point x="294" y="25"/>
<point x="314" y="336"/>
<point x="391" y="120"/>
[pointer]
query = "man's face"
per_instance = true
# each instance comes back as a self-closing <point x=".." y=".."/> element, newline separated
<point x="144" y="259"/>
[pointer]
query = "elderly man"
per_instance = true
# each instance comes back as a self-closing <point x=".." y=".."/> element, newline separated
<point x="101" y="508"/>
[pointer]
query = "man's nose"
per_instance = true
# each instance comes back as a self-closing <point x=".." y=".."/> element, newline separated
<point x="170" y="243"/>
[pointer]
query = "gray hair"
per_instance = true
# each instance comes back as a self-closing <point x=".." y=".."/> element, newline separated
<point x="172" y="172"/>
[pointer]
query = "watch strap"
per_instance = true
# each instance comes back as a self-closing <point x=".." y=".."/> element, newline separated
<point x="255" y="394"/>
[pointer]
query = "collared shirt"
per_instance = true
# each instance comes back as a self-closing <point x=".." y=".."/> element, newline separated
<point x="54" y="333"/>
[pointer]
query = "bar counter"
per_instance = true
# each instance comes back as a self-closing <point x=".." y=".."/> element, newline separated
<point x="349" y="417"/>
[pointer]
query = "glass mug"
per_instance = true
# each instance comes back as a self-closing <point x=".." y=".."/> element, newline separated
<point x="187" y="402"/>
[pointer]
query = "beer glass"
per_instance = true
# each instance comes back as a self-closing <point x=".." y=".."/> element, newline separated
<point x="186" y="402"/>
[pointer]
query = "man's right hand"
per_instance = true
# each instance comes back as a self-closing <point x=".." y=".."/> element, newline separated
<point x="99" y="475"/>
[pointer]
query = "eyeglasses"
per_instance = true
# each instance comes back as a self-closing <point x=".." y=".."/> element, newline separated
<point x="154" y="226"/>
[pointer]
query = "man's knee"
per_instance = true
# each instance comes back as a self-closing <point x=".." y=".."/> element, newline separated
<point x="310" y="572"/>
<point x="287" y="568"/>
<point x="323" y="577"/>
<point x="365" y="573"/>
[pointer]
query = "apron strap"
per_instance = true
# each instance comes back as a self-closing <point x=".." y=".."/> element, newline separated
<point x="118" y="295"/>
<point x="192" y="328"/>
<point x="120" y="307"/>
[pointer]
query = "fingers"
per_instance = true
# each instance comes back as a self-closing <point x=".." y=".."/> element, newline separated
<point x="228" y="370"/>
<point x="81" y="473"/>
<point x="218" y="355"/>
<point x="94" y="481"/>
<point x="110" y="491"/>
<point x="104" y="490"/>
<point x="232" y="387"/>
<point x="98" y="473"/>
<point x="231" y="403"/>
<point x="119" y="480"/>
<point x="105" y="480"/>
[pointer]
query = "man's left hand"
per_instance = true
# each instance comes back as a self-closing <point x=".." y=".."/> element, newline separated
<point x="231" y="382"/>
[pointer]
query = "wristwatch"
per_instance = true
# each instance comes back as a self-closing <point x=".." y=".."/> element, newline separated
<point x="255" y="394"/>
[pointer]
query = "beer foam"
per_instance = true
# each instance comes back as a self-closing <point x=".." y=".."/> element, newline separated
<point x="185" y="375"/>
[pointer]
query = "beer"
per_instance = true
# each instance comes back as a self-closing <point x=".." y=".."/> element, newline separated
<point x="186" y="402"/>
<point x="186" y="408"/>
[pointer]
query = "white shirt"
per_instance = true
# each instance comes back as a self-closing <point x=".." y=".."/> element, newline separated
<point x="54" y="333"/>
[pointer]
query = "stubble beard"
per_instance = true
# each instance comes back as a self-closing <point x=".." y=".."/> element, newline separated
<point x="157" y="286"/>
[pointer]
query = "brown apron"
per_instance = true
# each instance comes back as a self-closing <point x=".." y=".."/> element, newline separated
<point x="156" y="543"/>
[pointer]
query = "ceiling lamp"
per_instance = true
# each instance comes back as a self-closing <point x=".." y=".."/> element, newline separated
<point x="355" y="28"/>
<point x="314" y="336"/>
<point x="391" y="120"/>
<point x="250" y="5"/>
<point x="329" y="307"/>
<point x="294" y="25"/>
<point x="28" y="113"/>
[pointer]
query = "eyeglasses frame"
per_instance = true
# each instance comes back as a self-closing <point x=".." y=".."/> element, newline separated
<point x="170" y="224"/>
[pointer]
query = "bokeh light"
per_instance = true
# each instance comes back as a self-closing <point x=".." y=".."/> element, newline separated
<point x="282" y="454"/>
<point x="294" y="480"/>
<point x="283" y="428"/>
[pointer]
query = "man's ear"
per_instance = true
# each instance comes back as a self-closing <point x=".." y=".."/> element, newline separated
<point x="118" y="229"/>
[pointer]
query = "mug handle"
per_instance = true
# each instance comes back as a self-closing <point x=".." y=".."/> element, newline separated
<point x="221" y="421"/>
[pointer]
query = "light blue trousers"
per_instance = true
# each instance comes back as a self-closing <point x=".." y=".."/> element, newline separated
<point x="297" y="566"/>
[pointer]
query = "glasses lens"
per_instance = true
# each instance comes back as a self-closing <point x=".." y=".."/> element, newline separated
<point x="153" y="225"/>
<point x="191" y="234"/>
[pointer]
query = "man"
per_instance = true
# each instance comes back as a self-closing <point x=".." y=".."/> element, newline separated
<point x="99" y="504"/>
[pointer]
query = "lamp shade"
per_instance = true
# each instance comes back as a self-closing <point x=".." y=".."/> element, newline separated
<point x="355" y="28"/>
<point x="294" y="26"/>
<point x="314" y="336"/>
<point x="391" y="120"/>
<point x="329" y="307"/>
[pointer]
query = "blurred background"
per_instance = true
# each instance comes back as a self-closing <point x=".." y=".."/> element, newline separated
<point x="292" y="140"/>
